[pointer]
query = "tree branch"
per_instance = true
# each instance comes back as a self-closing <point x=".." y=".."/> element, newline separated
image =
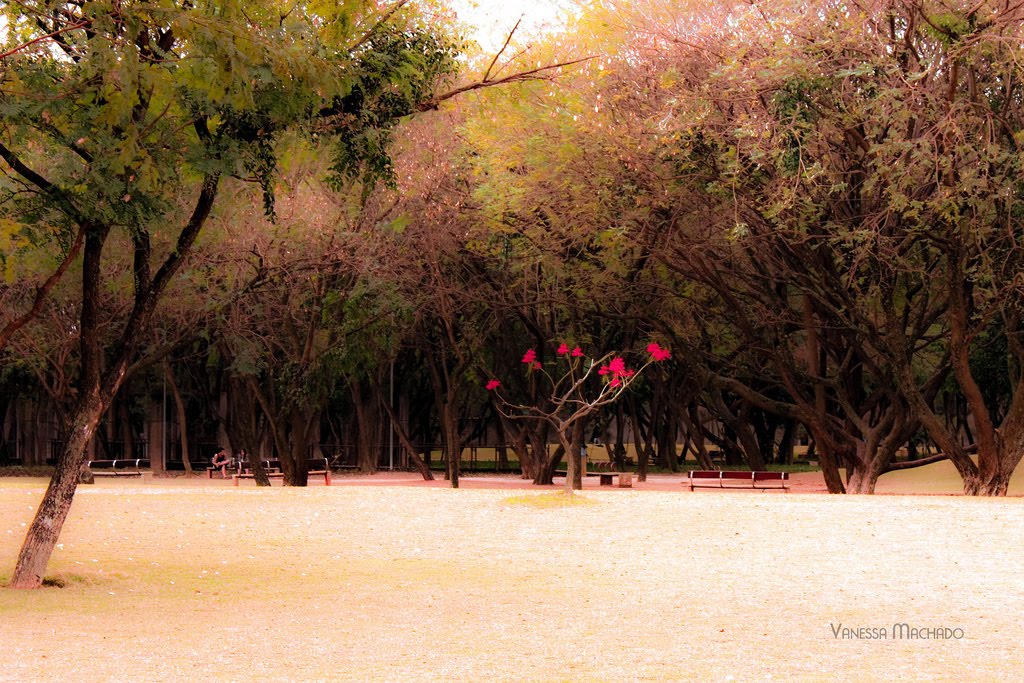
<point x="380" y="22"/>
<point x="54" y="34"/>
<point x="42" y="292"/>
<point x="532" y="75"/>
<point x="508" y="40"/>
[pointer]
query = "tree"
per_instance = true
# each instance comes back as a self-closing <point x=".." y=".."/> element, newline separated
<point x="851" y="173"/>
<point x="572" y="397"/>
<point x="129" y="117"/>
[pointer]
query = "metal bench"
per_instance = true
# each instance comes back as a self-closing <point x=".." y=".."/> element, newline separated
<point x="120" y="467"/>
<point x="724" y="479"/>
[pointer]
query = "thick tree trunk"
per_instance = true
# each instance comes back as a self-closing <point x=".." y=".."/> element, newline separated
<point x="53" y="510"/>
<point x="98" y="387"/>
<point x="573" y="478"/>
<point x="864" y="478"/>
<point x="294" y="465"/>
<point x="784" y="455"/>
<point x="366" y="452"/>
<point x="452" y="444"/>
<point x="547" y="462"/>
<point x="518" y="434"/>
<point x="240" y="422"/>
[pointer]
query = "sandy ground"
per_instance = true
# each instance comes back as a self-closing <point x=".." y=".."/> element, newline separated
<point x="393" y="579"/>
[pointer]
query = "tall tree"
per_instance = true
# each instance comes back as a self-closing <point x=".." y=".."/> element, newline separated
<point x="128" y="117"/>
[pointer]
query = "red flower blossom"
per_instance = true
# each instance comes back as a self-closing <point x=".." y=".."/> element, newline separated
<point x="658" y="353"/>
<point x="577" y="353"/>
<point x="563" y="349"/>
<point x="493" y="384"/>
<point x="529" y="357"/>
<point x="617" y="366"/>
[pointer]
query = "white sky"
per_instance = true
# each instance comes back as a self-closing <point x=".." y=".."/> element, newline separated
<point x="495" y="18"/>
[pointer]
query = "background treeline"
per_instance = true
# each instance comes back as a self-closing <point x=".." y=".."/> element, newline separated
<point x="813" y="206"/>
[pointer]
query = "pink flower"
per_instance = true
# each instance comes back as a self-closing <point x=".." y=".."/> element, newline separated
<point x="493" y="384"/>
<point x="537" y="365"/>
<point x="529" y="357"/>
<point x="617" y="366"/>
<point x="577" y="353"/>
<point x="603" y="370"/>
<point x="658" y="353"/>
<point x="615" y="382"/>
<point x="563" y="349"/>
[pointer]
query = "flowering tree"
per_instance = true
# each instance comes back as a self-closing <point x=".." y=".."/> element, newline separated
<point x="573" y="379"/>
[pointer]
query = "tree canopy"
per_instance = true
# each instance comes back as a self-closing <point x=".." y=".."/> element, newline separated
<point x="816" y="207"/>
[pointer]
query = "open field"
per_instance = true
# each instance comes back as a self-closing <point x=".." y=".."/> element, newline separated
<point x="198" y="580"/>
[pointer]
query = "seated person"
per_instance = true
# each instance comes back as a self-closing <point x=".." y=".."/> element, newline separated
<point x="222" y="460"/>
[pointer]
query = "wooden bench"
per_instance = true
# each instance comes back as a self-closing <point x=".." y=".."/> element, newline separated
<point x="313" y="466"/>
<point x="605" y="478"/>
<point x="735" y="479"/>
<point x="119" y="467"/>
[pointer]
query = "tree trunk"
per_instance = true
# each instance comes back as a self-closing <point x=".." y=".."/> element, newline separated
<point x="366" y="402"/>
<point x="452" y="443"/>
<point x="42" y="535"/>
<point x="784" y="455"/>
<point x="294" y="461"/>
<point x="638" y="440"/>
<point x="240" y="422"/>
<point x="618" y="454"/>
<point x="403" y="438"/>
<point x="179" y="407"/>
<point x="573" y="478"/>
<point x="547" y="462"/>
<point x="97" y="387"/>
<point x="691" y="418"/>
<point x="501" y="449"/>
<point x="519" y="436"/>
<point x="574" y="456"/>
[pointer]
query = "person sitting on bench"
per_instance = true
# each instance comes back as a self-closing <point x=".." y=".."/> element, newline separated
<point x="222" y="460"/>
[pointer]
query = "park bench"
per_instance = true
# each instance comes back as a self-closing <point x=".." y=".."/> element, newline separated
<point x="314" y="466"/>
<point x="604" y="478"/>
<point x="245" y="467"/>
<point x="732" y="479"/>
<point x="231" y="467"/>
<point x="119" y="467"/>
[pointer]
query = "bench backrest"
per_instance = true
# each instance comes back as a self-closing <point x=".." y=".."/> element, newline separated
<point x="770" y="476"/>
<point x="119" y="463"/>
<point x="729" y="474"/>
<point x="705" y="474"/>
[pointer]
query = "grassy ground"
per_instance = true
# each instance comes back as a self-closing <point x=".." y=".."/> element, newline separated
<point x="203" y="581"/>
